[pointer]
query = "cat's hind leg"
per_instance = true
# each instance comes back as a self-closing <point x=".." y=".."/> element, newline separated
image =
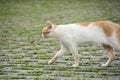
<point x="110" y="52"/>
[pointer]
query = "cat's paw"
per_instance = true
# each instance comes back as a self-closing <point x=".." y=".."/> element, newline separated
<point x="50" y="62"/>
<point x="75" y="65"/>
<point x="104" y="65"/>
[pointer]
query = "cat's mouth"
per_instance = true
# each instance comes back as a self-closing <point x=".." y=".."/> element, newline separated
<point x="43" y="36"/>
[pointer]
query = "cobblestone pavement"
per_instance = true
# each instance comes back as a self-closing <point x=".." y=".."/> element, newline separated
<point x="24" y="54"/>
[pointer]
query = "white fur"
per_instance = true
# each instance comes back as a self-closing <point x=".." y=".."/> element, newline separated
<point x="113" y="41"/>
<point x="75" y="34"/>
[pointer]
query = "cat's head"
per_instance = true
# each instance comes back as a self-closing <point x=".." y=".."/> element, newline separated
<point x="48" y="31"/>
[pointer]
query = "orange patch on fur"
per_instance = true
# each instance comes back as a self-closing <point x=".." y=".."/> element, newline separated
<point x="45" y="31"/>
<point x="107" y="26"/>
<point x="109" y="50"/>
<point x="118" y="35"/>
<point x="84" y="23"/>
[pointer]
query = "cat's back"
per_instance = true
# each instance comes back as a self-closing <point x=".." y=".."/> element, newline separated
<point x="73" y="26"/>
<point x="68" y="28"/>
<point x="106" y="26"/>
<point x="100" y="24"/>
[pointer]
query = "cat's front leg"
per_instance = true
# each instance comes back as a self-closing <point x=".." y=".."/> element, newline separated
<point x="58" y="55"/>
<point x="74" y="51"/>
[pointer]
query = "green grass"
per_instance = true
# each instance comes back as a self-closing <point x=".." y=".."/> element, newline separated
<point x="24" y="53"/>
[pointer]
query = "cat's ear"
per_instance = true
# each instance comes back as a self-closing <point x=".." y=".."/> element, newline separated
<point x="49" y="25"/>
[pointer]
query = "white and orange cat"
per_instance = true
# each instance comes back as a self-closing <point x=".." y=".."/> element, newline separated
<point x="106" y="33"/>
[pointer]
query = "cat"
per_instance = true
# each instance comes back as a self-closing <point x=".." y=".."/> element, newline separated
<point x="106" y="33"/>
